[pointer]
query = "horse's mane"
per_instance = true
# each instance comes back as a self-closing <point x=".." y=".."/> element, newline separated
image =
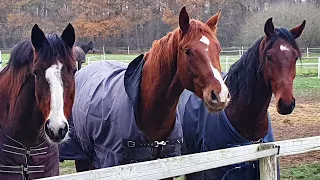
<point x="247" y="70"/>
<point x="22" y="54"/>
<point x="164" y="50"/>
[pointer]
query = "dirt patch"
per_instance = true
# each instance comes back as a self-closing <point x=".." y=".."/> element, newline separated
<point x="303" y="122"/>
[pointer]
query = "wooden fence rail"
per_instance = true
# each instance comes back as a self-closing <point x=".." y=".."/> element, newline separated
<point x="176" y="166"/>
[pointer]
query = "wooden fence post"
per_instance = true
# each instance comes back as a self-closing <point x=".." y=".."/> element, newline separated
<point x="227" y="63"/>
<point x="318" y="67"/>
<point x="268" y="165"/>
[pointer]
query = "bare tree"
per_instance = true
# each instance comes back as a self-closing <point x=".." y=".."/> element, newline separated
<point x="284" y="15"/>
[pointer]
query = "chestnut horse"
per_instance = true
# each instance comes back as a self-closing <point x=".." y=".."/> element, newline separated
<point x="36" y="95"/>
<point x="127" y="114"/>
<point x="268" y="67"/>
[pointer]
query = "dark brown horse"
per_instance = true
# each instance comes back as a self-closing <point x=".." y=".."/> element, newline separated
<point x="81" y="51"/>
<point x="36" y="95"/>
<point x="268" y="67"/>
<point x="124" y="115"/>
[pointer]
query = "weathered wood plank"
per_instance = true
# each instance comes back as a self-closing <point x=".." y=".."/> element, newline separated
<point x="177" y="166"/>
<point x="170" y="167"/>
<point x="298" y="146"/>
<point x="268" y="165"/>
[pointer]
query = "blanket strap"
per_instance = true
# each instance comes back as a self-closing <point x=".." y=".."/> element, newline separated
<point x="155" y="144"/>
<point x="25" y="154"/>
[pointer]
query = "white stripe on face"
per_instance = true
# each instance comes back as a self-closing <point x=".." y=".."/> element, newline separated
<point x="223" y="95"/>
<point x="205" y="40"/>
<point x="284" y="48"/>
<point x="56" y="116"/>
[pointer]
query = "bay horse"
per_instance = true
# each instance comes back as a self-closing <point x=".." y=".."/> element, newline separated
<point x="268" y="67"/>
<point x="81" y="51"/>
<point x="37" y="90"/>
<point x="127" y="114"/>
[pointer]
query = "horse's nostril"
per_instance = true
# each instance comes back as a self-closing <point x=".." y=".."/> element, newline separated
<point x="294" y="103"/>
<point x="213" y="96"/>
<point x="48" y="130"/>
<point x="229" y="96"/>
<point x="63" y="131"/>
<point x="280" y="103"/>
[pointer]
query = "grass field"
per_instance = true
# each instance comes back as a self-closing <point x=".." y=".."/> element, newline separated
<point x="302" y="172"/>
<point x="306" y="87"/>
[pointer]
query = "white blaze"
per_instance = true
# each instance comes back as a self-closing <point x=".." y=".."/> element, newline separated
<point x="56" y="116"/>
<point x="223" y="95"/>
<point x="284" y="48"/>
<point x="205" y="40"/>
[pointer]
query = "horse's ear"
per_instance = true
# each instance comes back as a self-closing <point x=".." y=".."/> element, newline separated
<point x="184" y="20"/>
<point x="68" y="35"/>
<point x="213" y="21"/>
<point x="297" y="31"/>
<point x="269" y="28"/>
<point x="37" y="37"/>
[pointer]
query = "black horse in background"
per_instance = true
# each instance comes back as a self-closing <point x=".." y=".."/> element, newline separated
<point x="81" y="51"/>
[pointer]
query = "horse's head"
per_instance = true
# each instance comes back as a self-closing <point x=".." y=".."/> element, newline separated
<point x="279" y="55"/>
<point x="199" y="60"/>
<point x="54" y="68"/>
<point x="90" y="46"/>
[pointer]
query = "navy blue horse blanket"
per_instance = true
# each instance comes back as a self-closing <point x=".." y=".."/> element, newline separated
<point x="204" y="131"/>
<point x="104" y="126"/>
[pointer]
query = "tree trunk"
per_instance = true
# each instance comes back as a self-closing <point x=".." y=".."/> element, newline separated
<point x="138" y="38"/>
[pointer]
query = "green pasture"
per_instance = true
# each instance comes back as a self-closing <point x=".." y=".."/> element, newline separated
<point x="302" y="172"/>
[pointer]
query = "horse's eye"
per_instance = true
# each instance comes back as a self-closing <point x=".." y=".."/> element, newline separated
<point x="269" y="57"/>
<point x="188" y="52"/>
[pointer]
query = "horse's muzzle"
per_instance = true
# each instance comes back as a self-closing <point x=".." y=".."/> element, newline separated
<point x="56" y="134"/>
<point x="214" y="103"/>
<point x="284" y="108"/>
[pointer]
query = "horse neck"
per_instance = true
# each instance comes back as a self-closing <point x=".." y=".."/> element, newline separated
<point x="160" y="88"/>
<point x="85" y="48"/>
<point x="250" y="119"/>
<point x="19" y="117"/>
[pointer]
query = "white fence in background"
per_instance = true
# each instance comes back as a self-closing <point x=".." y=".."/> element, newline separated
<point x="228" y="57"/>
<point x="308" y="51"/>
<point x="227" y="61"/>
<point x="267" y="153"/>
